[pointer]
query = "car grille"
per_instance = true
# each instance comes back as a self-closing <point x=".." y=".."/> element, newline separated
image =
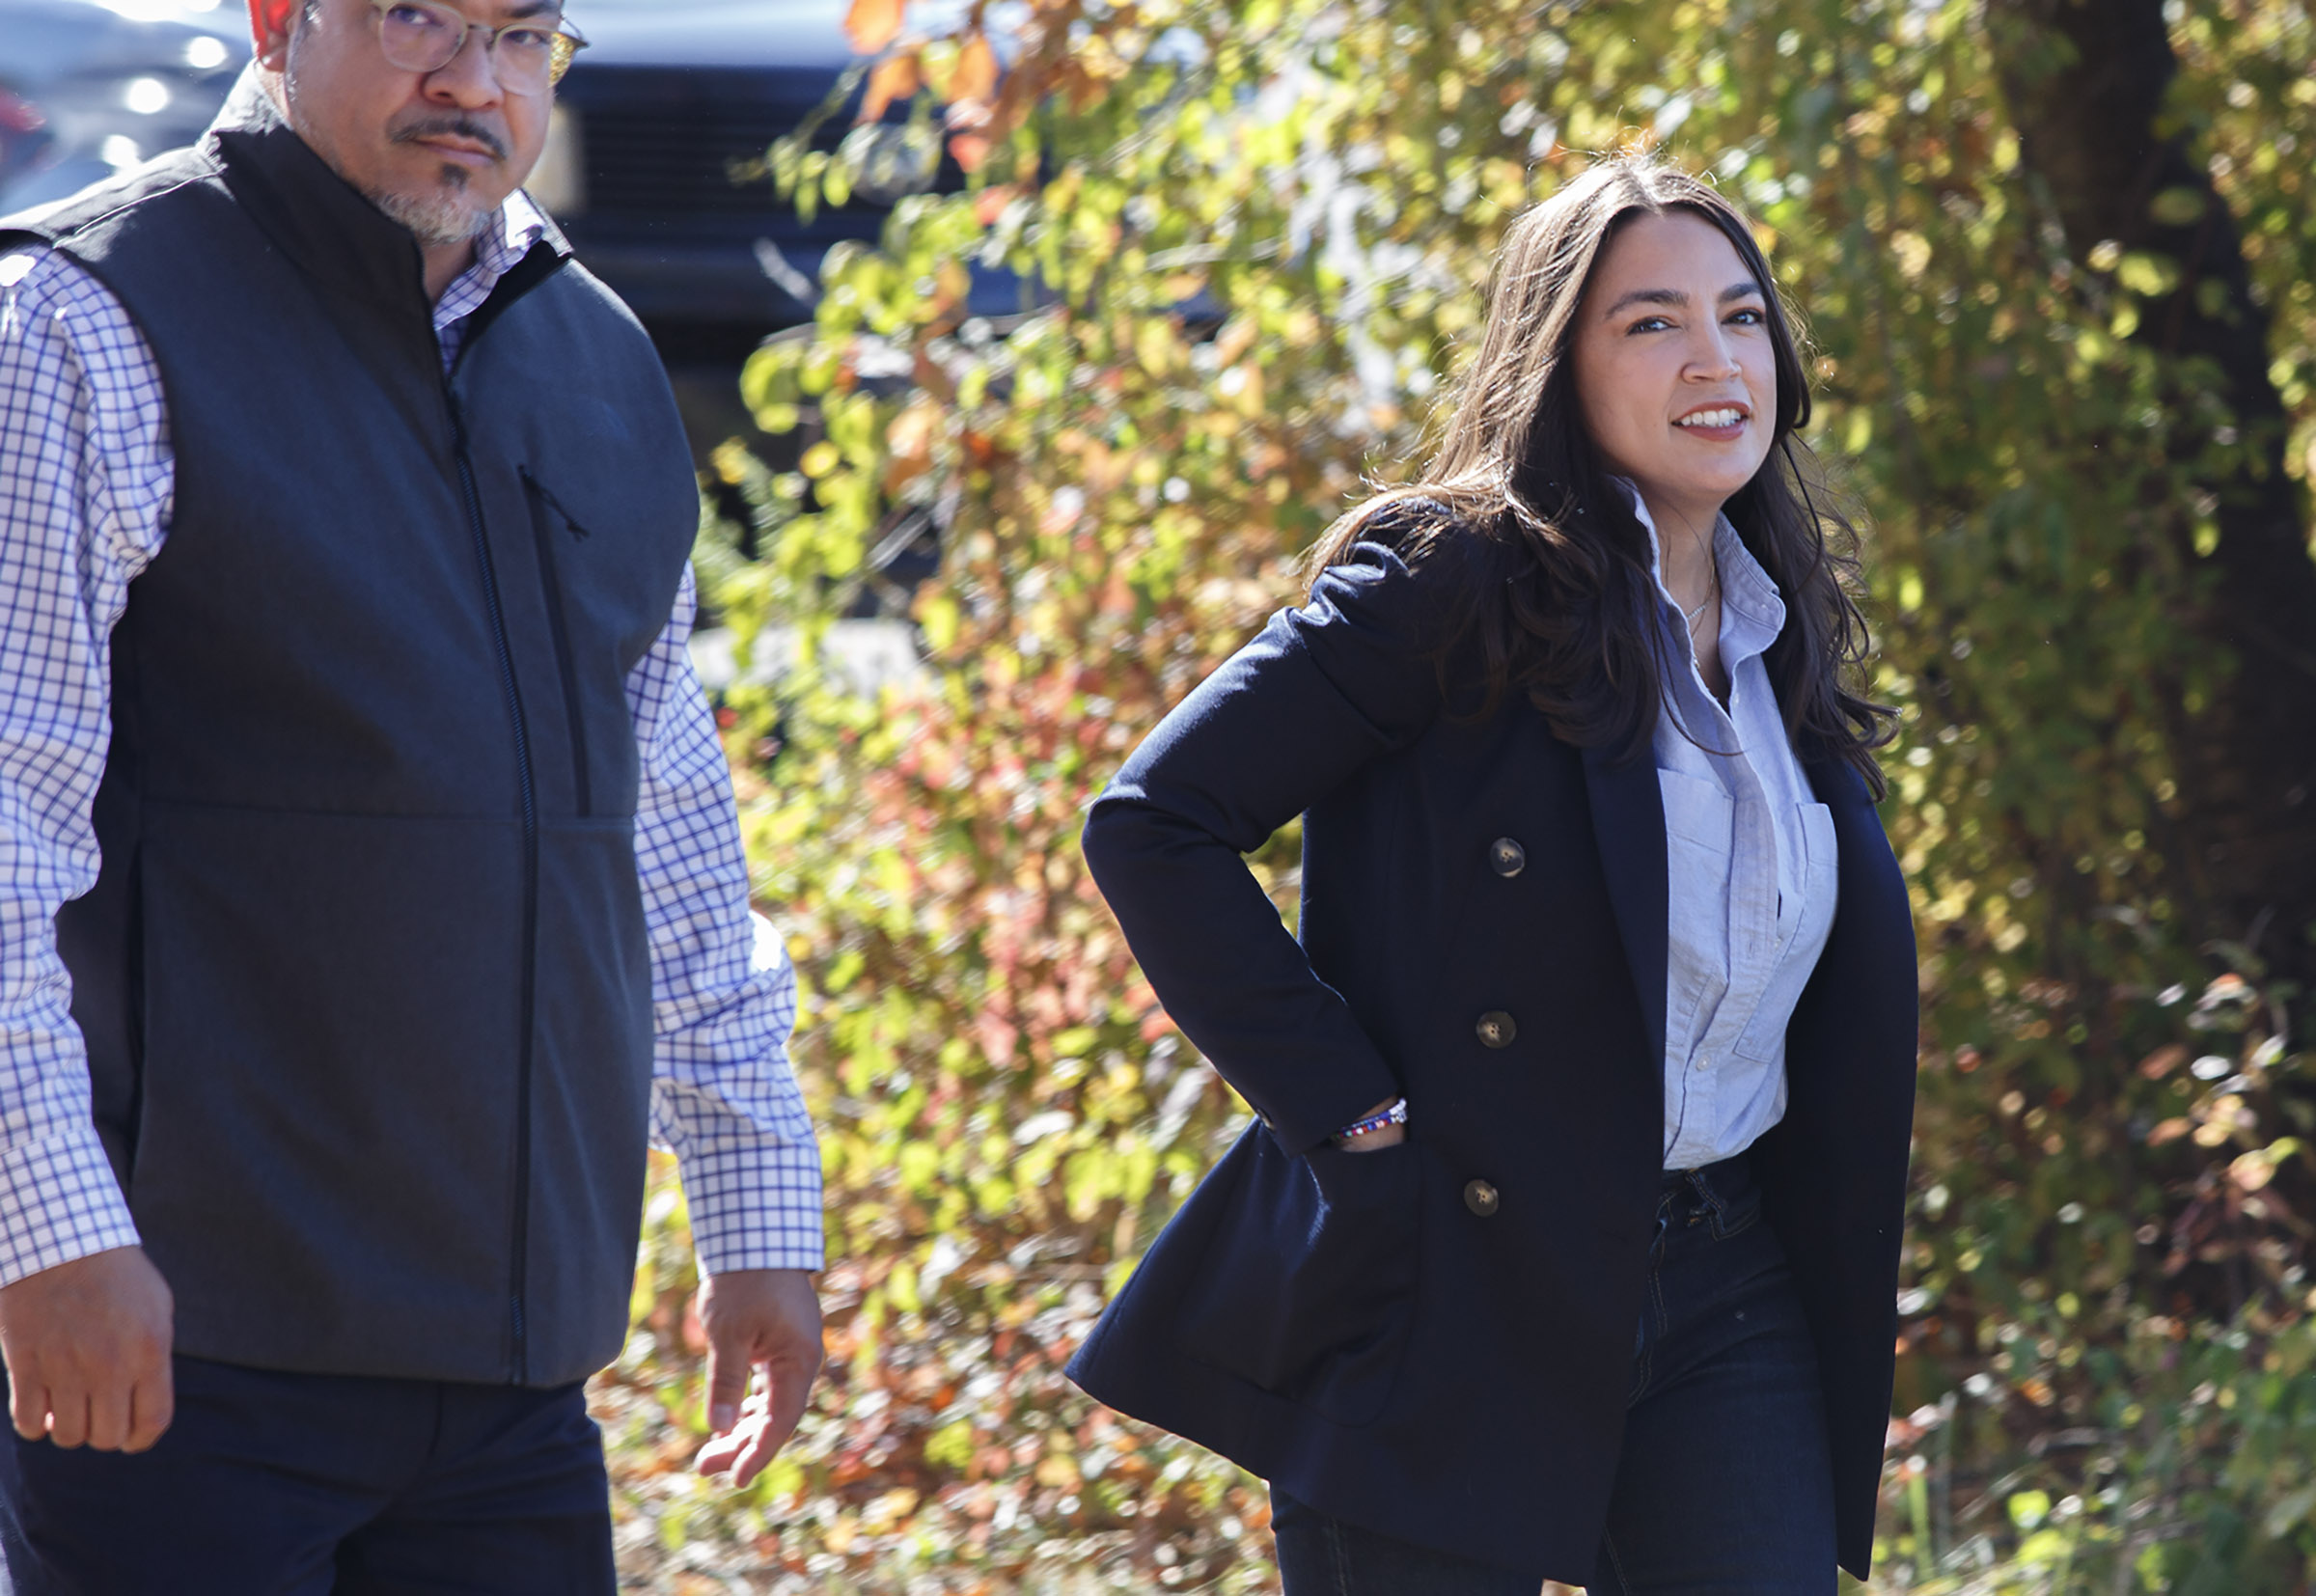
<point x="665" y="143"/>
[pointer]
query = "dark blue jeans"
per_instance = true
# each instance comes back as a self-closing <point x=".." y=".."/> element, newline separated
<point x="1723" y="1484"/>
<point x="272" y="1484"/>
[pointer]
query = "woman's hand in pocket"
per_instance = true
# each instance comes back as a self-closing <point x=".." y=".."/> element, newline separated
<point x="1374" y="1140"/>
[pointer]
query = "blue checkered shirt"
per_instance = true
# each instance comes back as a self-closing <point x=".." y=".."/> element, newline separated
<point x="87" y="482"/>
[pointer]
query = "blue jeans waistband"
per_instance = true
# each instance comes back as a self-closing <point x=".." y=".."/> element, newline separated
<point x="1724" y="1193"/>
<point x="1729" y="1178"/>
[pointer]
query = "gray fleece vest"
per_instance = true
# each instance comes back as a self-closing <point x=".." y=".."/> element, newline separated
<point x="365" y="982"/>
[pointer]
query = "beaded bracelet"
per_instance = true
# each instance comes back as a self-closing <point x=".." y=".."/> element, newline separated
<point x="1395" y="1114"/>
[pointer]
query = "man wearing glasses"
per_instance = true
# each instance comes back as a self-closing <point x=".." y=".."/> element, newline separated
<point x="369" y="886"/>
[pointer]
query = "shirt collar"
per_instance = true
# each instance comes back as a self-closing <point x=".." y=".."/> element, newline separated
<point x="503" y="241"/>
<point x="521" y="224"/>
<point x="1753" y="612"/>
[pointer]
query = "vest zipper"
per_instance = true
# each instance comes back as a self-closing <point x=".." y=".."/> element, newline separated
<point x="520" y="1248"/>
<point x="542" y="501"/>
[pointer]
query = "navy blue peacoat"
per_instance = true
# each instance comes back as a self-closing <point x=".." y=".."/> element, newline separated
<point x="1435" y="1340"/>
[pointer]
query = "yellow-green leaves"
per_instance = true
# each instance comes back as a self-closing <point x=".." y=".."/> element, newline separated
<point x="1247" y="243"/>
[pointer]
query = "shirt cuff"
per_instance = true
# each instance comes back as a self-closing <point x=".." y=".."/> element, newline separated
<point x="59" y="1201"/>
<point x="754" y="1202"/>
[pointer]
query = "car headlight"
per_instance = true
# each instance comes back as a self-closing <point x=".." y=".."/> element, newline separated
<point x="559" y="182"/>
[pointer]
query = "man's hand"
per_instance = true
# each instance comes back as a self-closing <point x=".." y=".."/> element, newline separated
<point x="756" y="1318"/>
<point x="87" y="1344"/>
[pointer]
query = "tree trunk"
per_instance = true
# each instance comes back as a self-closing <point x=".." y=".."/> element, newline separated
<point x="2086" y="81"/>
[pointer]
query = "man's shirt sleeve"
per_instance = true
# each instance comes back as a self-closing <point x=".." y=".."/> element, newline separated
<point x="724" y="995"/>
<point x="86" y="485"/>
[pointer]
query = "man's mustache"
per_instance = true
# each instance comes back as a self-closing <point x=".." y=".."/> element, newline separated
<point x="463" y="128"/>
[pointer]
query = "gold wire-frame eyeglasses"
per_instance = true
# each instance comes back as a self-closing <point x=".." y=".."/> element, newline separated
<point x="421" y="36"/>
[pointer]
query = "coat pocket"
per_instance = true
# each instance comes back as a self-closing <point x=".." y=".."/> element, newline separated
<point x="1307" y="1285"/>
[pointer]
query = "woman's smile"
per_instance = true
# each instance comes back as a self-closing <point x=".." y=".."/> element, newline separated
<point x="1719" y="423"/>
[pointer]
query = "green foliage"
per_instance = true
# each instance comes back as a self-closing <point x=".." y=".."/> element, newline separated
<point x="2097" y="1428"/>
<point x="1256" y="230"/>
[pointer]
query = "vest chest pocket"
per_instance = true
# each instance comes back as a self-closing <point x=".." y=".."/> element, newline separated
<point x="606" y="558"/>
<point x="549" y="523"/>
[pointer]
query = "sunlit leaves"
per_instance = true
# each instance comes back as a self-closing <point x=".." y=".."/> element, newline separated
<point x="1247" y="239"/>
<point x="872" y="24"/>
<point x="897" y="77"/>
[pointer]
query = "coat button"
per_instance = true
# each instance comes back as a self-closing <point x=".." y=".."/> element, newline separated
<point x="1506" y="857"/>
<point x="1496" y="1029"/>
<point x="1480" y="1198"/>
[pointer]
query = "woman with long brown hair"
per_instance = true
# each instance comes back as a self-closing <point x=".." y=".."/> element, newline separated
<point x="1565" y="1244"/>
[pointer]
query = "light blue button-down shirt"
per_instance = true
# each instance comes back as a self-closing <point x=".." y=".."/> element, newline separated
<point x="1749" y="871"/>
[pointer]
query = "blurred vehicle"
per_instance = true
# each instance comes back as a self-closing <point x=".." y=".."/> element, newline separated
<point x="655" y="167"/>
<point x="655" y="131"/>
<point x="90" y="89"/>
<point x="647" y="165"/>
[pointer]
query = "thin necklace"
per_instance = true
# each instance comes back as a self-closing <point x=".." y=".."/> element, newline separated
<point x="1712" y="588"/>
<point x="1691" y="616"/>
